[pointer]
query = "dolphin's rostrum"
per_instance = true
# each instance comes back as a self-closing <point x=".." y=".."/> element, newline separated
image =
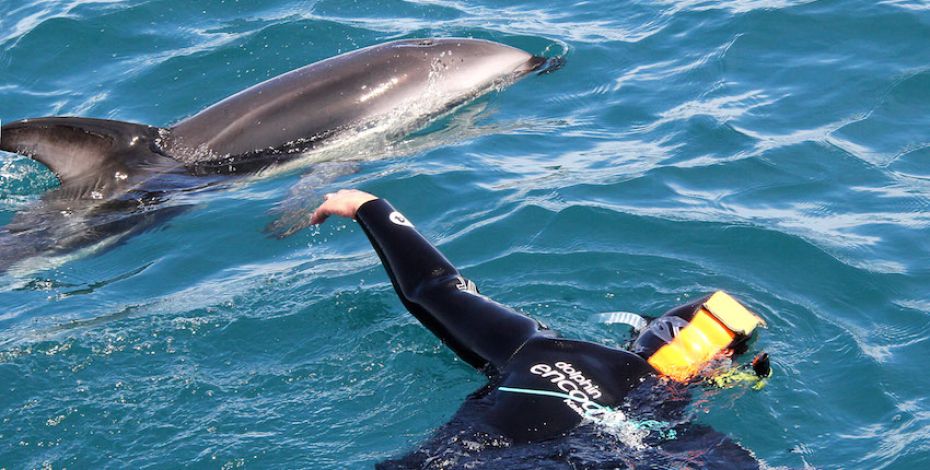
<point x="114" y="174"/>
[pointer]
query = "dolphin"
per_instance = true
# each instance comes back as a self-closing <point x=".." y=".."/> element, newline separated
<point x="116" y="176"/>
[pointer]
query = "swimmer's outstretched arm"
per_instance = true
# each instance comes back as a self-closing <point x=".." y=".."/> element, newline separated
<point x="481" y="331"/>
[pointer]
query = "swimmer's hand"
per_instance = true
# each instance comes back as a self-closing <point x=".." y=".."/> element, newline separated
<point x="344" y="202"/>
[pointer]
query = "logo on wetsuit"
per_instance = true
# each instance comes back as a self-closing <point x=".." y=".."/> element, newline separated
<point x="399" y="219"/>
<point x="581" y="391"/>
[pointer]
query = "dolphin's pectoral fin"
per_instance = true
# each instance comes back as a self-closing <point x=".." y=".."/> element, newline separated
<point x="75" y="147"/>
<point x="293" y="213"/>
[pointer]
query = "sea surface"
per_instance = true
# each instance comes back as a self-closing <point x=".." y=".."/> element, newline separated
<point x="776" y="149"/>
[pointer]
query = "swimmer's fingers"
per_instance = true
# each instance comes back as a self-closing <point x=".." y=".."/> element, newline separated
<point x="328" y="208"/>
<point x="318" y="217"/>
<point x="344" y="202"/>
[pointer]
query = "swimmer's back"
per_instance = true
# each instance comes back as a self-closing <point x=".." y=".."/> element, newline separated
<point x="526" y="401"/>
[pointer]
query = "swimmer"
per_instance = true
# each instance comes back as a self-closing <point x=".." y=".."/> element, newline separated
<point x="552" y="402"/>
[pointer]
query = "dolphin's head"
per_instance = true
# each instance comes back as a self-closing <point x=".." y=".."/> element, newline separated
<point x="470" y="65"/>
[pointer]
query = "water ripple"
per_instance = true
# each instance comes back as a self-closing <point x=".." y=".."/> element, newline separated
<point x="765" y="147"/>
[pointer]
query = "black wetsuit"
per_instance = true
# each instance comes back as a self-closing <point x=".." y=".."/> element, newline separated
<point x="531" y="414"/>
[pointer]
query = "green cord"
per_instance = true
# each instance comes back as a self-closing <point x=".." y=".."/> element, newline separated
<point x="547" y="393"/>
<point x="647" y="425"/>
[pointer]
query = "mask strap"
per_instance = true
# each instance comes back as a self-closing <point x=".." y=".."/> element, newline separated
<point x="637" y="322"/>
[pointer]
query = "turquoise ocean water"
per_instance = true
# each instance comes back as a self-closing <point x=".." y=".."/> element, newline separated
<point x="776" y="149"/>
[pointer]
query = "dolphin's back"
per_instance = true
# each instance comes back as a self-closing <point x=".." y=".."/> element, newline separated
<point x="314" y="102"/>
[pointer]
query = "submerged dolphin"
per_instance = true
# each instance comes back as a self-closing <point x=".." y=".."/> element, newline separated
<point x="115" y="175"/>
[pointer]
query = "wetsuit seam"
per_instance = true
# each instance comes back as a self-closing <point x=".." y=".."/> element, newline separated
<point x="516" y="351"/>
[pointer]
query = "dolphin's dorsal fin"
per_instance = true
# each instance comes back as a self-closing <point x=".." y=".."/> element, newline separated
<point x="74" y="147"/>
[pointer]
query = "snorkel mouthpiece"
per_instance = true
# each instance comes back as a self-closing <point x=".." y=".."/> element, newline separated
<point x="717" y="324"/>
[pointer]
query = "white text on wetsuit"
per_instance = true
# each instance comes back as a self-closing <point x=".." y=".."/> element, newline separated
<point x="571" y="381"/>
